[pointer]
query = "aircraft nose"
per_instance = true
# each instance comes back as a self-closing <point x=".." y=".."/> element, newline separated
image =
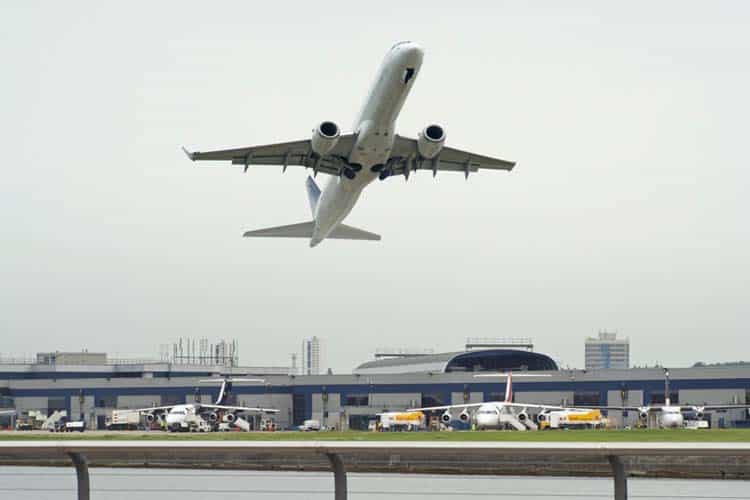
<point x="414" y="53"/>
<point x="409" y="52"/>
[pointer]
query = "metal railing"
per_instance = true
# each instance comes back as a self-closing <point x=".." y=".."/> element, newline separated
<point x="205" y="453"/>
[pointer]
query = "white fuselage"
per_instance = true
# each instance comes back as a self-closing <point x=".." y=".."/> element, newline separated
<point x="488" y="416"/>
<point x="671" y="417"/>
<point x="179" y="415"/>
<point x="374" y="129"/>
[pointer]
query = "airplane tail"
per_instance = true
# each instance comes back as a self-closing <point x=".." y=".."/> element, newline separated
<point x="509" y="388"/>
<point x="313" y="193"/>
<point x="226" y="389"/>
<point x="306" y="229"/>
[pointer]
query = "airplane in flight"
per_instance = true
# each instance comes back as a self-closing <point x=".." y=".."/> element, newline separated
<point x="491" y="414"/>
<point x="371" y="151"/>
<point x="183" y="416"/>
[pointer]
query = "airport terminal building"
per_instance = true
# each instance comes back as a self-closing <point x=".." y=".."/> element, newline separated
<point x="91" y="391"/>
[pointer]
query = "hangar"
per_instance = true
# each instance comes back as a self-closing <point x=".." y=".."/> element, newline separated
<point x="494" y="360"/>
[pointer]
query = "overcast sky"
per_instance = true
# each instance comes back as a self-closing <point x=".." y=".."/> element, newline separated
<point x="627" y="211"/>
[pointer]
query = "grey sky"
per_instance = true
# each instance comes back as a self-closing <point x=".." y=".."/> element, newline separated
<point x="627" y="210"/>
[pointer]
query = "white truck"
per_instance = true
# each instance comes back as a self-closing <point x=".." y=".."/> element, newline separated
<point x="123" y="420"/>
<point x="310" y="425"/>
<point x="75" y="426"/>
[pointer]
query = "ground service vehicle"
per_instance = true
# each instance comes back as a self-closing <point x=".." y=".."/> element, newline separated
<point x="571" y="419"/>
<point x="402" y="421"/>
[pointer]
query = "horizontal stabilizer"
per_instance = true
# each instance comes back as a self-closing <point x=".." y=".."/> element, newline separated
<point x="344" y="232"/>
<point x="305" y="230"/>
<point x="301" y="230"/>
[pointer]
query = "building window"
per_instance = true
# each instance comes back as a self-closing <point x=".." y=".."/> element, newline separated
<point x="172" y="399"/>
<point x="433" y="399"/>
<point x="361" y="422"/>
<point x="657" y="398"/>
<point x="586" y="399"/>
<point x="355" y="400"/>
<point x="109" y="401"/>
<point x="299" y="409"/>
<point x="56" y="404"/>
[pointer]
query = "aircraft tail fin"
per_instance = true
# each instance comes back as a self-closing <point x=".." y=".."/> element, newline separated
<point x="313" y="193"/>
<point x="226" y="388"/>
<point x="509" y="388"/>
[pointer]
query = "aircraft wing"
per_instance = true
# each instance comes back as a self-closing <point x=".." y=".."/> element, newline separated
<point x="296" y="153"/>
<point x="539" y="407"/>
<point x="7" y="412"/>
<point x="239" y="408"/>
<point x="405" y="157"/>
<point x="446" y="407"/>
<point x="497" y="403"/>
<point x="613" y="408"/>
<point x="713" y="407"/>
<point x="150" y="409"/>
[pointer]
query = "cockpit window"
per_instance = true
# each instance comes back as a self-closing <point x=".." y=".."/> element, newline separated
<point x="408" y="74"/>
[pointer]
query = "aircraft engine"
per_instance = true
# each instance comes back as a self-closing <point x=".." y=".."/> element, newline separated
<point x="643" y="413"/>
<point x="464" y="416"/>
<point x="150" y="417"/>
<point x="324" y="138"/>
<point x="430" y="141"/>
<point x="230" y="417"/>
<point x="699" y="412"/>
<point x="213" y="416"/>
<point x="446" y="417"/>
<point x="522" y="416"/>
<point x="542" y="417"/>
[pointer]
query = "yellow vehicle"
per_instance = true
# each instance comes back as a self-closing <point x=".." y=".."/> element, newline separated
<point x="402" y="421"/>
<point x="571" y="419"/>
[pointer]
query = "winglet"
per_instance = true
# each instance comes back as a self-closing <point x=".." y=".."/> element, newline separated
<point x="189" y="154"/>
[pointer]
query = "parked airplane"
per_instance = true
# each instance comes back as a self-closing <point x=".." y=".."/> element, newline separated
<point x="670" y="416"/>
<point x="373" y="150"/>
<point x="490" y="414"/>
<point x="183" y="416"/>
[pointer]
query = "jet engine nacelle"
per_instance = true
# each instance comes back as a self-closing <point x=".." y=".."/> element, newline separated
<point x="699" y="412"/>
<point x="324" y="138"/>
<point x="213" y="416"/>
<point x="643" y="413"/>
<point x="542" y="417"/>
<point x="230" y="417"/>
<point x="150" y="417"/>
<point x="523" y="416"/>
<point x="446" y="417"/>
<point x="430" y="141"/>
<point x="464" y="416"/>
